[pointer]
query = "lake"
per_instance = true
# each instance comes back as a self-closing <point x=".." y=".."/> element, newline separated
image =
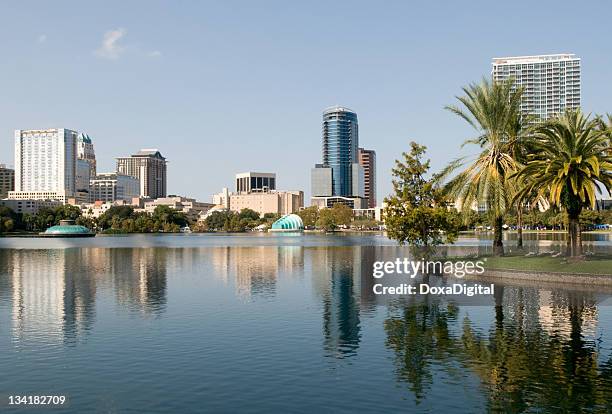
<point x="260" y="323"/>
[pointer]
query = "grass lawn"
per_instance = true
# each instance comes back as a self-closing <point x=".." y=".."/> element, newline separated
<point x="594" y="264"/>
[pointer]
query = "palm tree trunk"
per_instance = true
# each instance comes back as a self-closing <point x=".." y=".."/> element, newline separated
<point x="574" y="239"/>
<point x="519" y="226"/>
<point x="498" y="244"/>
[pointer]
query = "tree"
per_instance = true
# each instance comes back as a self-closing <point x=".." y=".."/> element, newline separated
<point x="326" y="220"/>
<point x="493" y="109"/>
<point x="342" y="214"/>
<point x="168" y="218"/>
<point x="309" y="215"/>
<point x="114" y="215"/>
<point x="247" y="213"/>
<point x="570" y="164"/>
<point x="416" y="214"/>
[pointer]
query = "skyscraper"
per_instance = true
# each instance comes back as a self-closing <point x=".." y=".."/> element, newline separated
<point x="340" y="178"/>
<point x="45" y="164"/>
<point x="85" y="151"/>
<point x="149" y="166"/>
<point x="367" y="159"/>
<point x="551" y="82"/>
<point x="340" y="143"/>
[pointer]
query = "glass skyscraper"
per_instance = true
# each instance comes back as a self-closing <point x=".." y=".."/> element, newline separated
<point x="340" y="144"/>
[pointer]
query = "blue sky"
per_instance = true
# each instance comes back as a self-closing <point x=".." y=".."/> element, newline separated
<point x="224" y="87"/>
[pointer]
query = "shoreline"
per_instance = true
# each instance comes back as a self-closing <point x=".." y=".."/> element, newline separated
<point x="588" y="279"/>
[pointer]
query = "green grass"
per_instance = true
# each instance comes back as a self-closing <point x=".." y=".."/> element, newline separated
<point x="594" y="264"/>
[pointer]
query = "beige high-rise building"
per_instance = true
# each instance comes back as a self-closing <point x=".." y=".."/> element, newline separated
<point x="7" y="180"/>
<point x="367" y="159"/>
<point x="149" y="166"/>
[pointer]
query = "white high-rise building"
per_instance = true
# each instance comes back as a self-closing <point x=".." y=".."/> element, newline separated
<point x="45" y="164"/>
<point x="551" y="82"/>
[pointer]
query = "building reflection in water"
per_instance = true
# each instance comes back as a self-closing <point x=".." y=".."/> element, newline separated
<point x="336" y="276"/>
<point x="53" y="298"/>
<point x="53" y="292"/>
<point x="138" y="276"/>
<point x="254" y="271"/>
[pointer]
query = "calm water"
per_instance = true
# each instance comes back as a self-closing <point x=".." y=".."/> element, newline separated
<point x="285" y="324"/>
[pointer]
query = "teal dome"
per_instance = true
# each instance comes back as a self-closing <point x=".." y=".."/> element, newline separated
<point x="68" y="229"/>
<point x="290" y="222"/>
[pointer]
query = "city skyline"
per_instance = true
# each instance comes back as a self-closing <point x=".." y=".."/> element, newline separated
<point x="202" y="94"/>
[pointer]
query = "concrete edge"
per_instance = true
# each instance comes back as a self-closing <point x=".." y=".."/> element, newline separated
<point x="549" y="277"/>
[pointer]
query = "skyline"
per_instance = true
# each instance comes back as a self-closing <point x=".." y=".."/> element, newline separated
<point x="217" y="101"/>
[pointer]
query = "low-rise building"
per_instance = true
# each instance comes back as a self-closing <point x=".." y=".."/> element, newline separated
<point x="97" y="208"/>
<point x="29" y="206"/>
<point x="354" y="203"/>
<point x="222" y="198"/>
<point x="189" y="206"/>
<point x="275" y="202"/>
<point x="370" y="213"/>
<point x="110" y="187"/>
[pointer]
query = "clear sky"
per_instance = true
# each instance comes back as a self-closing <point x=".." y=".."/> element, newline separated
<point x="224" y="87"/>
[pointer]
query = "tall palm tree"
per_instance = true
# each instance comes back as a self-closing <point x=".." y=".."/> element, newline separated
<point x="571" y="162"/>
<point x="493" y="109"/>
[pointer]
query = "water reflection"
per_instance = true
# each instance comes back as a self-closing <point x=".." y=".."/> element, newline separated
<point x="254" y="271"/>
<point x="541" y="350"/>
<point x="337" y="275"/>
<point x="53" y="293"/>
<point x="531" y="347"/>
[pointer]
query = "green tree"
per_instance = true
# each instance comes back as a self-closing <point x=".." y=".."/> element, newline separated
<point x="416" y="214"/>
<point x="168" y="219"/>
<point x="493" y="109"/>
<point x="112" y="217"/>
<point x="247" y="213"/>
<point x="570" y="164"/>
<point x="309" y="215"/>
<point x="326" y="220"/>
<point x="342" y="214"/>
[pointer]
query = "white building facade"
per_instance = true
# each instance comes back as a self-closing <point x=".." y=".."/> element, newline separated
<point x="110" y="187"/>
<point x="551" y="82"/>
<point x="45" y="164"/>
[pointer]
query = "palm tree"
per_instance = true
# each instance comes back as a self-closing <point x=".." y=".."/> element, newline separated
<point x="570" y="163"/>
<point x="493" y="109"/>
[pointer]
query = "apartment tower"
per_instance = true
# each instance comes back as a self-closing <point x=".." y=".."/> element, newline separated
<point x="149" y="166"/>
<point x="551" y="82"/>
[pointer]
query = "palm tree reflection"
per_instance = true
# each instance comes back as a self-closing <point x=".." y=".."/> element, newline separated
<point x="536" y="354"/>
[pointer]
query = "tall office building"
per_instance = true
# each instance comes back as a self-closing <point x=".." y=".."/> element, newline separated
<point x="149" y="166"/>
<point x="340" y="175"/>
<point x="551" y="82"/>
<point x="367" y="159"/>
<point x="85" y="151"/>
<point x="340" y="143"/>
<point x="7" y="181"/>
<point x="45" y="164"/>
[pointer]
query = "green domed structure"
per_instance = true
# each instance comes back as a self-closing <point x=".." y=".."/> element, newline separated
<point x="67" y="228"/>
<point x="290" y="222"/>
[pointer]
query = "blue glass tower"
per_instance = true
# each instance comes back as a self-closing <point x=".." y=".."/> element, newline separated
<point x="340" y="143"/>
